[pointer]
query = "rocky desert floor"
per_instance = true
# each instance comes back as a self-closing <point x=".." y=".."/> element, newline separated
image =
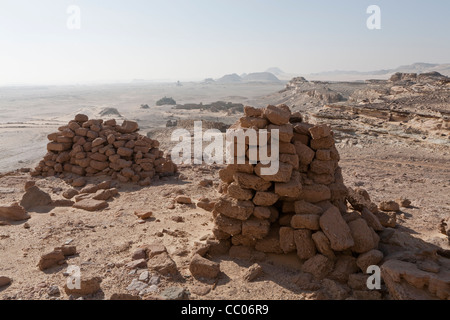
<point x="106" y="240"/>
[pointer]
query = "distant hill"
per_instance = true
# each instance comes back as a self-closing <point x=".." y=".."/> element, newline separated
<point x="230" y="78"/>
<point x="251" y="77"/>
<point x="260" y="77"/>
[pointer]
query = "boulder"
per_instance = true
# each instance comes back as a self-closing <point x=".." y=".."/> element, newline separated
<point x="35" y="197"/>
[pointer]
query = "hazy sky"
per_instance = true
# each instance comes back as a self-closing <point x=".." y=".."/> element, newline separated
<point x="194" y="39"/>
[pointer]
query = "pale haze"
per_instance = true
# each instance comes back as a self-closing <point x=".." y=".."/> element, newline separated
<point x="191" y="40"/>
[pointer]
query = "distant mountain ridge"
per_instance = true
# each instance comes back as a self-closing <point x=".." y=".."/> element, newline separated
<point x="419" y="67"/>
<point x="275" y="74"/>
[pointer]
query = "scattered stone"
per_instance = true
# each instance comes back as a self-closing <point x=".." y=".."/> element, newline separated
<point x="389" y="206"/>
<point x="53" y="291"/>
<point x="151" y="289"/>
<point x="177" y="219"/>
<point x="163" y="264"/>
<point x="29" y="184"/>
<point x="88" y="285"/>
<point x="69" y="194"/>
<point x="175" y="293"/>
<point x="4" y="281"/>
<point x="206" y="204"/>
<point x="183" y="199"/>
<point x="253" y="272"/>
<point x="203" y="268"/>
<point x="91" y="205"/>
<point x="35" y="197"/>
<point x="143" y="215"/>
<point x="15" y="212"/>
<point x="139" y="254"/>
<point x="124" y="296"/>
<point x="67" y="250"/>
<point x="206" y="183"/>
<point x="137" y="285"/>
<point x="135" y="264"/>
<point x="144" y="276"/>
<point x="51" y="259"/>
<point x="200" y="290"/>
<point x="387" y="219"/>
<point x="404" y="203"/>
<point x="62" y="203"/>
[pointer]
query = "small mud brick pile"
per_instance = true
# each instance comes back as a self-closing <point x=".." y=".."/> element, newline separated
<point x="303" y="207"/>
<point x="96" y="147"/>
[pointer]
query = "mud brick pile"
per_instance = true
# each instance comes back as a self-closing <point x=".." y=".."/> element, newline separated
<point x="95" y="147"/>
<point x="301" y="209"/>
